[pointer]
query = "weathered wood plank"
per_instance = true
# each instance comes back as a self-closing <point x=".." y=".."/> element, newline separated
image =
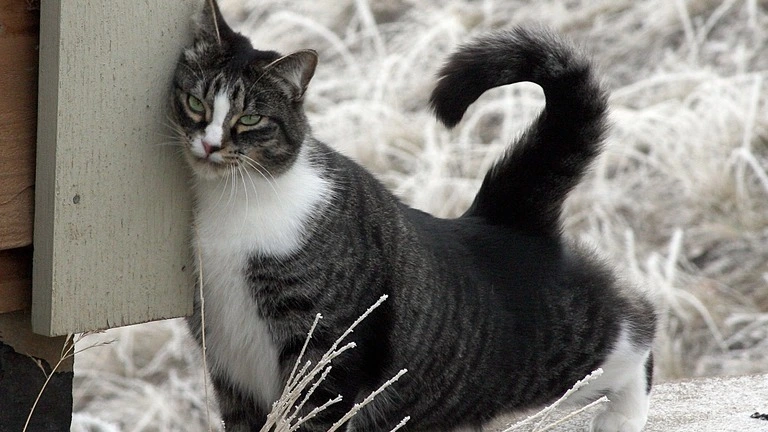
<point x="112" y="212"/>
<point x="15" y="279"/>
<point x="19" y="23"/>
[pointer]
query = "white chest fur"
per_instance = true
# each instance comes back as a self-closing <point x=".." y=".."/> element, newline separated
<point x="237" y="218"/>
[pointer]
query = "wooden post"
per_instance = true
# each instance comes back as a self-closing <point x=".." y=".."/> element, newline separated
<point x="26" y="359"/>
<point x="85" y="170"/>
<point x="113" y="208"/>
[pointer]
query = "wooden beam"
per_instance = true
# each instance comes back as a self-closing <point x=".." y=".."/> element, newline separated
<point x="15" y="280"/>
<point x="112" y="203"/>
<point x="19" y="23"/>
<point x="26" y="359"/>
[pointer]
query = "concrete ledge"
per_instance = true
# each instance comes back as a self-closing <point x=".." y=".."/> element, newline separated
<point x="714" y="404"/>
<point x="703" y="405"/>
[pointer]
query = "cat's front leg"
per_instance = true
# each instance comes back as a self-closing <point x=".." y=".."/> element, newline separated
<point x="238" y="412"/>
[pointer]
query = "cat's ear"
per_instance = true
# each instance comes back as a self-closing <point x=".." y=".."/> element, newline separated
<point x="209" y="24"/>
<point x="296" y="69"/>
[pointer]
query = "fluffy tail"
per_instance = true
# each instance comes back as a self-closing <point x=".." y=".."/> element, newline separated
<point x="526" y="188"/>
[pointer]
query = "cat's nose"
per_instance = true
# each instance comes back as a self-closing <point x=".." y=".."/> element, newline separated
<point x="210" y="147"/>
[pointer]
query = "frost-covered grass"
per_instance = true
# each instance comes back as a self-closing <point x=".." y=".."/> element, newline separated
<point x="679" y="200"/>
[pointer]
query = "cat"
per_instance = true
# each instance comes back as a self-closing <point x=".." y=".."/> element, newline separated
<point x="491" y="312"/>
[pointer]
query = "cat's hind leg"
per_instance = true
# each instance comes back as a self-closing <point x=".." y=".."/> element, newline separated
<point x="628" y="405"/>
<point x="626" y="381"/>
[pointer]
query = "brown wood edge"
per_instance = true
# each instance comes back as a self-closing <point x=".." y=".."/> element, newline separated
<point x="19" y="59"/>
<point x="15" y="279"/>
<point x="16" y="331"/>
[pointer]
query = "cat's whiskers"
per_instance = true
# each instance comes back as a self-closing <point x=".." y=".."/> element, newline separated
<point x="170" y="144"/>
<point x="272" y="184"/>
<point x="253" y="184"/>
<point x="262" y="106"/>
<point x="172" y="140"/>
<point x="255" y="168"/>
<point x="171" y="123"/>
<point x="256" y="81"/>
<point x="233" y="188"/>
<point x="176" y="137"/>
<point x="258" y="168"/>
<point x="245" y="193"/>
<point x="199" y="73"/>
<point x="259" y="93"/>
<point x="175" y="133"/>
<point x="226" y="183"/>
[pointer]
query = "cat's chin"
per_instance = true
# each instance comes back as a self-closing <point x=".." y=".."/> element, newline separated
<point x="206" y="169"/>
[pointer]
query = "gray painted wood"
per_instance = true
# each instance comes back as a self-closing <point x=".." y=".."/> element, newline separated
<point x="112" y="206"/>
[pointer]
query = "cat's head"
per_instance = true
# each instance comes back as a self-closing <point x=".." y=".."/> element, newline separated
<point x="237" y="107"/>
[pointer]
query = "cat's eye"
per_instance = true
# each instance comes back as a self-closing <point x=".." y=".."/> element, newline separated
<point x="196" y="105"/>
<point x="249" y="120"/>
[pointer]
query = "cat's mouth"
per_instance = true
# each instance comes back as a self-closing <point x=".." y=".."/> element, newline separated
<point x="210" y="165"/>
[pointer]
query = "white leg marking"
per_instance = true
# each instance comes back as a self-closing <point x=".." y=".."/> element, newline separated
<point x="624" y="382"/>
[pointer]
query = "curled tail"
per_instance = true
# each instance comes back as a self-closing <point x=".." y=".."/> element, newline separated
<point x="526" y="188"/>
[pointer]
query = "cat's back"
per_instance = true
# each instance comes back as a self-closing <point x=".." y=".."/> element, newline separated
<point x="519" y="271"/>
<point x="496" y="254"/>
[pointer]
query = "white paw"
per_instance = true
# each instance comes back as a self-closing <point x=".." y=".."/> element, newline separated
<point x="612" y="421"/>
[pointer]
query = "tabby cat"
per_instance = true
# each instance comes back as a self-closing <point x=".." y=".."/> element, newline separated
<point x="490" y="312"/>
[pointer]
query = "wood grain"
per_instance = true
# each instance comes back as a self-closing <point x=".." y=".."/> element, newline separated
<point x="19" y="24"/>
<point x="112" y="204"/>
<point x="15" y="279"/>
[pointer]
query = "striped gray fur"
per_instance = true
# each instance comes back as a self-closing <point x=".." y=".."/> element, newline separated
<point x="490" y="313"/>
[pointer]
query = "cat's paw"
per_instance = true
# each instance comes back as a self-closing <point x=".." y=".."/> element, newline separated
<point x="613" y="421"/>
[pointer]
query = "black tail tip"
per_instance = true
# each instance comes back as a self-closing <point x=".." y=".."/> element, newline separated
<point x="457" y="88"/>
<point x="446" y="109"/>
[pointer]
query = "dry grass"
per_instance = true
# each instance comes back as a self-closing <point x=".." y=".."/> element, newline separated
<point x="287" y="413"/>
<point x="679" y="200"/>
<point x="543" y="415"/>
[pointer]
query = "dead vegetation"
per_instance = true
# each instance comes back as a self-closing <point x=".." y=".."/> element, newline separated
<point x="679" y="200"/>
